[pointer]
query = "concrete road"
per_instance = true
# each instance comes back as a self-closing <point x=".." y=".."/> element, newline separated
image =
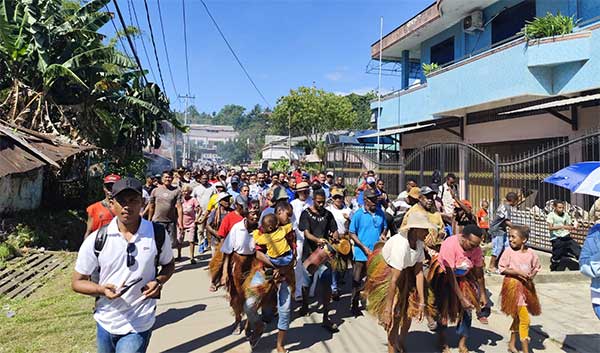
<point x="191" y="319"/>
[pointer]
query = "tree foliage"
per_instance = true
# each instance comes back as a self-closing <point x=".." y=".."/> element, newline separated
<point x="58" y="77"/>
<point x="362" y="106"/>
<point x="312" y="112"/>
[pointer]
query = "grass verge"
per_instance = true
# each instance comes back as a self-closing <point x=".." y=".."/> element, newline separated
<point x="52" y="319"/>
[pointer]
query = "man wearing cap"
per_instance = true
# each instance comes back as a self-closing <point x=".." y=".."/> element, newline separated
<point x="234" y="186"/>
<point x="128" y="282"/>
<point x="241" y="205"/>
<point x="299" y="204"/>
<point x="368" y="226"/>
<point x="166" y="209"/>
<point x="341" y="213"/>
<point x="426" y="205"/>
<point x="329" y="179"/>
<point x="99" y="213"/>
<point x="279" y="195"/>
<point x="371" y="184"/>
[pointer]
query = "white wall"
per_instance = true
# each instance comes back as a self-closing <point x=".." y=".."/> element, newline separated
<point x="21" y="191"/>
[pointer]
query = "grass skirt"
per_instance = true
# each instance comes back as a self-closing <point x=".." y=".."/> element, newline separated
<point x="239" y="269"/>
<point x="447" y="304"/>
<point x="265" y="292"/>
<point x="215" y="266"/>
<point x="512" y="289"/>
<point x="406" y="300"/>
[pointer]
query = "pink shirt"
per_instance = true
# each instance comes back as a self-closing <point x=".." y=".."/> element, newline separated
<point x="189" y="211"/>
<point x="526" y="261"/>
<point x="453" y="256"/>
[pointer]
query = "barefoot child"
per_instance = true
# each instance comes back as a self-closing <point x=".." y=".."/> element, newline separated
<point x="519" y="264"/>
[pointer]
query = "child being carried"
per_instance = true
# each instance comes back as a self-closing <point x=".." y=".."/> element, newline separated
<point x="272" y="236"/>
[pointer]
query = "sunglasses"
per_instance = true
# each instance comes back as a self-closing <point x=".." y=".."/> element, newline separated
<point x="130" y="257"/>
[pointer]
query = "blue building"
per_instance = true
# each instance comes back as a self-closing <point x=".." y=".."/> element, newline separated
<point x="493" y="86"/>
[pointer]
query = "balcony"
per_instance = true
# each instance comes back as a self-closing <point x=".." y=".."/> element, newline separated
<point x="510" y="73"/>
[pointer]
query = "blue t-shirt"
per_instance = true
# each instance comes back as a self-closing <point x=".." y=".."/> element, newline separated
<point x="368" y="228"/>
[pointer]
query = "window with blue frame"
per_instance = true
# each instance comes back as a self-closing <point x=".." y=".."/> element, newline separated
<point x="443" y="53"/>
<point x="512" y="20"/>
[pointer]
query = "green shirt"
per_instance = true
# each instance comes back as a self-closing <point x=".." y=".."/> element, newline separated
<point x="556" y="220"/>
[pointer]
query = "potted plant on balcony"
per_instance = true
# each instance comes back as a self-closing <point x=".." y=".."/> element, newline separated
<point x="548" y="26"/>
<point x="430" y="68"/>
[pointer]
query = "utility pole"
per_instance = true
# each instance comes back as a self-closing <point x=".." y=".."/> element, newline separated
<point x="290" y="139"/>
<point x="186" y="139"/>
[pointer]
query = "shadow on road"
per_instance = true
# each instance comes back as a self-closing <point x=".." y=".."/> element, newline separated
<point x="202" y="341"/>
<point x="174" y="315"/>
<point x="202" y="261"/>
<point x="583" y="343"/>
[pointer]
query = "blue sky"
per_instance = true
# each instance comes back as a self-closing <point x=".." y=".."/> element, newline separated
<point x="283" y="45"/>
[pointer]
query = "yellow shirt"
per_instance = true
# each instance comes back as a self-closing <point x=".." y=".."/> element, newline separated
<point x="212" y="202"/>
<point x="275" y="242"/>
<point x="434" y="218"/>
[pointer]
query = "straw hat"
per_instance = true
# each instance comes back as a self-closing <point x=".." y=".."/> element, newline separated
<point x="416" y="220"/>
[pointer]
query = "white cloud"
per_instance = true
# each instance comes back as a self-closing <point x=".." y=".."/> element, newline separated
<point x="334" y="76"/>
<point x="362" y="91"/>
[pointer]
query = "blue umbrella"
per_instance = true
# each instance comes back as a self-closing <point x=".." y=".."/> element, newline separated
<point x="580" y="178"/>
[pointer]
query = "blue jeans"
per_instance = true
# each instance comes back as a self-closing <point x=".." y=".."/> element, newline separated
<point x="335" y="277"/>
<point x="134" y="342"/>
<point x="463" y="329"/>
<point x="499" y="242"/>
<point x="282" y="260"/>
<point x="284" y="303"/>
<point x="596" y="310"/>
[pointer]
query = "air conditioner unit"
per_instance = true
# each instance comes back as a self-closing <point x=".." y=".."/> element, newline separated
<point x="473" y="22"/>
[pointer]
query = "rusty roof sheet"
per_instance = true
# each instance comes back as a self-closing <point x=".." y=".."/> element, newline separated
<point x="22" y="150"/>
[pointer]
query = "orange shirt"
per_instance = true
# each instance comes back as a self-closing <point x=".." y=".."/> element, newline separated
<point x="99" y="214"/>
<point x="483" y="219"/>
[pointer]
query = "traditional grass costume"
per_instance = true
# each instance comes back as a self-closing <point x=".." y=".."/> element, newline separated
<point x="397" y="254"/>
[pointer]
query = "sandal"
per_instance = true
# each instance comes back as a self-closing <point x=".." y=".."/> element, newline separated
<point x="330" y="326"/>
<point x="256" y="336"/>
<point x="237" y="329"/>
<point x="445" y="349"/>
<point x="212" y="288"/>
<point x="463" y="350"/>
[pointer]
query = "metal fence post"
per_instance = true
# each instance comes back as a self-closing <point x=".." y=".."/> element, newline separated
<point x="496" y="181"/>
<point x="421" y="167"/>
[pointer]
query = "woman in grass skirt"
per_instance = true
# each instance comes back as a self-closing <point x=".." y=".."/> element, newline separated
<point x="456" y="279"/>
<point x="395" y="287"/>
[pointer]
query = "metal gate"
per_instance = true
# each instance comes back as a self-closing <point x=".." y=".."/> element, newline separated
<point x="486" y="176"/>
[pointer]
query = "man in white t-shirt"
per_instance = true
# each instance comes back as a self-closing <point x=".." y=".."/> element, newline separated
<point x="299" y="204"/>
<point x="128" y="283"/>
<point x="342" y="215"/>
<point x="202" y="192"/>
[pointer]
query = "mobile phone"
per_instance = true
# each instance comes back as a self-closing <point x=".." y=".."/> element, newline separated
<point x="126" y="287"/>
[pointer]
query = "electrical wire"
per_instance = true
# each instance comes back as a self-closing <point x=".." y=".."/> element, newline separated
<point x="137" y="23"/>
<point x="164" y="40"/>
<point x="162" y="81"/>
<point x="137" y="59"/>
<point x="234" y="54"/>
<point x="187" y="66"/>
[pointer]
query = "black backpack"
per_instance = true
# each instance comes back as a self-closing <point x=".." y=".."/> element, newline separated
<point x="159" y="240"/>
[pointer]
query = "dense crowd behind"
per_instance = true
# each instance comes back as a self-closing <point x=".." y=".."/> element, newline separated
<point x="276" y="238"/>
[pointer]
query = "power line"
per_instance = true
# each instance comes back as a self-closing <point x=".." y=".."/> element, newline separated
<point x="162" y="82"/>
<point x="137" y="23"/>
<point x="117" y="32"/>
<point x="131" y="19"/>
<point x="187" y="66"/>
<point x="234" y="54"/>
<point x="162" y="29"/>
<point x="137" y="59"/>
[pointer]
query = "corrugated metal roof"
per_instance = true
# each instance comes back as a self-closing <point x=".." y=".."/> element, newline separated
<point x="395" y="131"/>
<point x="555" y="104"/>
<point x="21" y="151"/>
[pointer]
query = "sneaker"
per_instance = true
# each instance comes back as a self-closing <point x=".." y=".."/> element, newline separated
<point x="335" y="296"/>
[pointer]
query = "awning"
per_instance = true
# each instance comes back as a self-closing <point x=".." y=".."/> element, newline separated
<point x="396" y="131"/>
<point x="555" y="104"/>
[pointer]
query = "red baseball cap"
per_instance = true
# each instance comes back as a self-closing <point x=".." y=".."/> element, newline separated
<point x="111" y="178"/>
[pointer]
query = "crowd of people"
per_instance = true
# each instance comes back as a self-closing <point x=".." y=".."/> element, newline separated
<point x="277" y="238"/>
